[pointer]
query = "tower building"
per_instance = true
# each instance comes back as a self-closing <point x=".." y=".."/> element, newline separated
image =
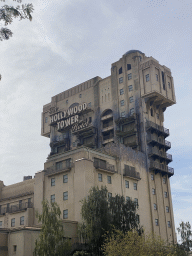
<point x="107" y="132"/>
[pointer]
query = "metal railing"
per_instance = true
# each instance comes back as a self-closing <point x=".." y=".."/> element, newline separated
<point x="161" y="167"/>
<point x="131" y="173"/>
<point x="157" y="127"/>
<point x="155" y="151"/>
<point x="107" y="137"/>
<point x="101" y="164"/>
<point x="16" y="208"/>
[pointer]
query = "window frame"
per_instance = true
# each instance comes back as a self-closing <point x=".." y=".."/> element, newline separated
<point x="167" y="209"/>
<point x="121" y="80"/>
<point x="131" y="99"/>
<point x="136" y="202"/>
<point x="13" y="222"/>
<point x="121" y="91"/>
<point x="52" y="198"/>
<point x="156" y="222"/>
<point x="52" y="182"/>
<point x="130" y="87"/>
<point x="147" y="78"/>
<point x="65" y="213"/>
<point x="164" y="180"/>
<point x="65" y="195"/>
<point x="155" y="206"/>
<point x="109" y="180"/>
<point x="22" y="220"/>
<point x="134" y="186"/>
<point x="126" y="184"/>
<point x="152" y="176"/>
<point x="123" y="114"/>
<point x="169" y="224"/>
<point x="100" y="177"/>
<point x="165" y="194"/>
<point x="128" y="66"/>
<point x="122" y="102"/>
<point x="153" y="191"/>
<point x="109" y="194"/>
<point x="1" y="224"/>
<point x="64" y="178"/>
<point x="132" y="111"/>
<point x="129" y="76"/>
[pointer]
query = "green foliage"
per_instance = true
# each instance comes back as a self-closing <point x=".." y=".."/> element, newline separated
<point x="7" y="13"/>
<point x="51" y="239"/>
<point x="186" y="235"/>
<point x="101" y="215"/>
<point x="133" y="244"/>
<point x="81" y="253"/>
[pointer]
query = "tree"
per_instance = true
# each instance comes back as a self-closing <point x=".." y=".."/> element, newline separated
<point x="101" y="214"/>
<point x="7" y="13"/>
<point x="186" y="235"/>
<point x="51" y="239"/>
<point x="133" y="244"/>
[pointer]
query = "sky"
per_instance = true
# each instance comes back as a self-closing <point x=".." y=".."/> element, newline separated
<point x="69" y="42"/>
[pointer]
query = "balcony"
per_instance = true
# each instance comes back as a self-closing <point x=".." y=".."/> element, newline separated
<point x="104" y="166"/>
<point x="124" y="120"/>
<point x="63" y="166"/>
<point x="84" y="130"/>
<point x="160" y="130"/>
<point x="164" y="169"/>
<point x="108" y="138"/>
<point x="107" y="117"/>
<point x="129" y="171"/>
<point x="153" y="139"/>
<point x="16" y="208"/>
<point x="126" y="133"/>
<point x="58" y="142"/>
<point x="154" y="152"/>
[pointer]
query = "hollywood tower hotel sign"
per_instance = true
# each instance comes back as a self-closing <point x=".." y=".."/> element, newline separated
<point x="70" y="117"/>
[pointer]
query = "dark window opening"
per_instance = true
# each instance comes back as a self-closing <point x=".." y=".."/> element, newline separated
<point x="14" y="248"/>
<point x="120" y="71"/>
<point x="90" y="119"/>
<point x="151" y="112"/>
<point x="163" y="79"/>
<point x="128" y="66"/>
<point x="108" y="122"/>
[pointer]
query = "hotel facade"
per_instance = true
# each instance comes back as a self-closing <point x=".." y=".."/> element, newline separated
<point x="103" y="132"/>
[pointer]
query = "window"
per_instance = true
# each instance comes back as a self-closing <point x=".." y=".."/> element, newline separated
<point x="99" y="177"/>
<point x="167" y="209"/>
<point x="20" y="204"/>
<point x="132" y="111"/>
<point x="90" y="119"/>
<point x="152" y="176"/>
<point x="153" y="191"/>
<point x="136" y="202"/>
<point x="165" y="194"/>
<point x="156" y="222"/>
<point x="59" y="165"/>
<point x="127" y="184"/>
<point x="122" y="102"/>
<point x="65" y="178"/>
<point x="169" y="85"/>
<point x="168" y="224"/>
<point x="52" y="198"/>
<point x="131" y="99"/>
<point x="13" y="222"/>
<point x="1" y="224"/>
<point x="66" y="101"/>
<point x="80" y="95"/>
<point x="74" y="144"/>
<point x="128" y="198"/>
<point x="147" y="77"/>
<point x="53" y="182"/>
<point x="121" y="91"/>
<point x="120" y="71"/>
<point x="163" y="79"/>
<point x="22" y="220"/>
<point x="164" y="180"/>
<point x="109" y="179"/>
<point x="135" y="186"/>
<point x="155" y="206"/>
<point x="89" y="105"/>
<point x="14" y="248"/>
<point x="29" y="202"/>
<point x="46" y="119"/>
<point x="65" y="195"/>
<point x="129" y="76"/>
<point x="151" y="112"/>
<point x="123" y="114"/>
<point x="120" y="80"/>
<point x="130" y="88"/>
<point x="109" y="195"/>
<point x="157" y="116"/>
<point x="65" y="214"/>
<point x="128" y="66"/>
<point x="157" y="77"/>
